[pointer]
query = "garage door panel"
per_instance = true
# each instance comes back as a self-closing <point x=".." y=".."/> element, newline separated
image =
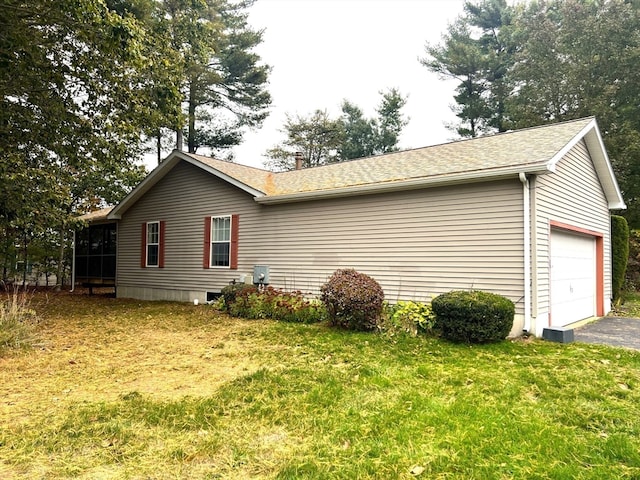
<point x="573" y="277"/>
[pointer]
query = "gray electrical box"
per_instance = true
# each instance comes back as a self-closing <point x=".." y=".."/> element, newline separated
<point x="261" y="274"/>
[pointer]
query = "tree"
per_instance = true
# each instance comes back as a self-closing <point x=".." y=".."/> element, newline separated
<point x="475" y="51"/>
<point x="359" y="133"/>
<point x="390" y="121"/>
<point x="549" y="61"/>
<point x="578" y="58"/>
<point x="224" y="83"/>
<point x="75" y="91"/>
<point x="323" y="140"/>
<point x="317" y="137"/>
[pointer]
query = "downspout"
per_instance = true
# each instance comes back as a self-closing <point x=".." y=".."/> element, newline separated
<point x="527" y="251"/>
<point x="73" y="263"/>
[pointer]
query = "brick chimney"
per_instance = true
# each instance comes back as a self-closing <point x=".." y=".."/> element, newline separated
<point x="299" y="160"/>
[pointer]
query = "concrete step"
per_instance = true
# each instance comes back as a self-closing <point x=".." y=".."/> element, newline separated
<point x="558" y="334"/>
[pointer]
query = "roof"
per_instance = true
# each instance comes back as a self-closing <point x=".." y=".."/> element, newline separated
<point x="534" y="150"/>
<point x="96" y="216"/>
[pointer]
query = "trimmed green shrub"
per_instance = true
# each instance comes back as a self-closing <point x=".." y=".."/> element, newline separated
<point x="473" y="316"/>
<point x="620" y="251"/>
<point x="411" y="317"/>
<point x="353" y="300"/>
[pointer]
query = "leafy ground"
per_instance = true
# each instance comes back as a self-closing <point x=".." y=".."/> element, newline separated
<point x="129" y="389"/>
<point x="629" y="306"/>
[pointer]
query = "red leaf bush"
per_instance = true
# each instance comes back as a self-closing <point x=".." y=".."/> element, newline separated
<point x="353" y="300"/>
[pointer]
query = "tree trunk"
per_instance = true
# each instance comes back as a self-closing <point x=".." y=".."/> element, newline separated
<point x="60" y="269"/>
<point x="25" y="259"/>
<point x="191" y="139"/>
<point x="159" y="146"/>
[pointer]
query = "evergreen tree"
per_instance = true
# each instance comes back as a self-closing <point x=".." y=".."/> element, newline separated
<point x="317" y="137"/>
<point x="224" y="82"/>
<point x="323" y="140"/>
<point x="549" y="61"/>
<point x="476" y="51"/>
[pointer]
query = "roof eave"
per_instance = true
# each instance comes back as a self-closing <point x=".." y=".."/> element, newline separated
<point x="100" y="216"/>
<point x="603" y="167"/>
<point x="163" y="169"/>
<point x="411" y="184"/>
<point x="593" y="139"/>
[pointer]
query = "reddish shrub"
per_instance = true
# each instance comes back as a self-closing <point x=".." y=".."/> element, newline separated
<point x="353" y="300"/>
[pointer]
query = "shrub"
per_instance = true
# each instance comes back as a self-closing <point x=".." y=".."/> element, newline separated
<point x="294" y="307"/>
<point x="620" y="253"/>
<point x="244" y="303"/>
<point x="17" y="322"/>
<point x="632" y="280"/>
<point x="230" y="292"/>
<point x="253" y="303"/>
<point x="473" y="317"/>
<point x="412" y="317"/>
<point x="353" y="300"/>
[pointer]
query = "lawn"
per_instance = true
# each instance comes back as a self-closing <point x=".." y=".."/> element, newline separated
<point x="119" y="389"/>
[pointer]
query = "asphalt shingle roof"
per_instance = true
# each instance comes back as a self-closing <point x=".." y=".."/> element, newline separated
<point x="528" y="147"/>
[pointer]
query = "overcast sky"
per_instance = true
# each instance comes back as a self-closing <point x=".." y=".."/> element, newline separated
<point x="323" y="51"/>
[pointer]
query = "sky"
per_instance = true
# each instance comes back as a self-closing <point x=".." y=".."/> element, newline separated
<point x="324" y="51"/>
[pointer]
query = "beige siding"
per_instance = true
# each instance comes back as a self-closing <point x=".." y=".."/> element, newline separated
<point x="415" y="243"/>
<point x="182" y="199"/>
<point x="571" y="195"/>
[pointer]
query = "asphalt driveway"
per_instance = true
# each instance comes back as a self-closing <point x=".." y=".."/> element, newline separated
<point x="615" y="331"/>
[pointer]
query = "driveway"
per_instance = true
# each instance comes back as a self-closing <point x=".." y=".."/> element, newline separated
<point x="615" y="331"/>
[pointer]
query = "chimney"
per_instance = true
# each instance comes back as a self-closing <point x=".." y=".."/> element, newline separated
<point x="299" y="160"/>
<point x="179" y="139"/>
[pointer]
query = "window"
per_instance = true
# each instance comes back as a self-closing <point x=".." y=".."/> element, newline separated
<point x="152" y="251"/>
<point x="153" y="243"/>
<point x="96" y="253"/>
<point x="221" y="242"/>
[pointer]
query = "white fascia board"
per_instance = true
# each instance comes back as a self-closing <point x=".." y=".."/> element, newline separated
<point x="411" y="184"/>
<point x="551" y="165"/>
<point x="591" y="135"/>
<point x="603" y="167"/>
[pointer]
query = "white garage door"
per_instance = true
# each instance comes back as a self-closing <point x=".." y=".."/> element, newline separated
<point x="573" y="277"/>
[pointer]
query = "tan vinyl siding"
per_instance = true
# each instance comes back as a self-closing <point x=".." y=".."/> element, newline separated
<point x="415" y="243"/>
<point x="182" y="199"/>
<point x="571" y="195"/>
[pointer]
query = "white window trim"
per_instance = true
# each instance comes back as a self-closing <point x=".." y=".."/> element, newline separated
<point x="212" y="241"/>
<point x="146" y="258"/>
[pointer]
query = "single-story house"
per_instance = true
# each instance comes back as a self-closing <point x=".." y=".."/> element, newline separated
<point x="525" y="214"/>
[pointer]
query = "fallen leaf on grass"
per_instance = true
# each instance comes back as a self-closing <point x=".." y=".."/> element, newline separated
<point x="416" y="470"/>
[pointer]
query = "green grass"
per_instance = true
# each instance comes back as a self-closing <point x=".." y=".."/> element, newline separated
<point x="325" y="404"/>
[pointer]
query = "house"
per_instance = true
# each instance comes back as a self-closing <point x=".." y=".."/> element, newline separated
<point x="94" y="258"/>
<point x="524" y="214"/>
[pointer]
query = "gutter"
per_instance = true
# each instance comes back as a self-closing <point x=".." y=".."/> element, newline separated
<point x="526" y="216"/>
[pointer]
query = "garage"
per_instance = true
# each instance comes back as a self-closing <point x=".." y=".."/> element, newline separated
<point x="573" y="277"/>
